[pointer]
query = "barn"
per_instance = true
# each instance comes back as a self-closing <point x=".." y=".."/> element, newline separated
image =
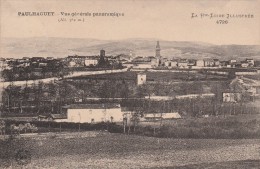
<point x="93" y="113"/>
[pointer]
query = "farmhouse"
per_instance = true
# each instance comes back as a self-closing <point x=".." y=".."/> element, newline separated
<point x="92" y="113"/>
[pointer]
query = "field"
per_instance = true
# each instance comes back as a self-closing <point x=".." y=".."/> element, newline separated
<point x="158" y="83"/>
<point x="116" y="151"/>
<point x="213" y="120"/>
<point x="156" y="76"/>
<point x="245" y="164"/>
<point x="225" y="127"/>
<point x="254" y="77"/>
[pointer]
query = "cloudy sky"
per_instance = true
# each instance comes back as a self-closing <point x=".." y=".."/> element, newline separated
<point x="160" y="19"/>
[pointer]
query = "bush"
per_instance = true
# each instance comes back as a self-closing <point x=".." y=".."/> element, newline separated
<point x="47" y="126"/>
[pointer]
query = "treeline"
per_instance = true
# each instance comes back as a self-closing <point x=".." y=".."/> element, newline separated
<point x="39" y="98"/>
<point x="198" y="107"/>
<point x="34" y="71"/>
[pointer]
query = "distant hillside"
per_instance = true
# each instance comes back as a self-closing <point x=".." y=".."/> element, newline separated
<point x="62" y="47"/>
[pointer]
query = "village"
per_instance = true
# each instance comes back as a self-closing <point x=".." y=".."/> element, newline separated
<point x="127" y="90"/>
<point x="129" y="84"/>
<point x="84" y="100"/>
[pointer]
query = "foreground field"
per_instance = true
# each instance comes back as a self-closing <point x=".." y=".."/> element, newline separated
<point x="245" y="164"/>
<point x="116" y="151"/>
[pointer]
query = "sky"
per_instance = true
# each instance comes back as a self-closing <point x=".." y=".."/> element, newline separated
<point x="160" y="19"/>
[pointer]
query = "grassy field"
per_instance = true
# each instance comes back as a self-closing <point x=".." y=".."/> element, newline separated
<point x="231" y="126"/>
<point x="213" y="120"/>
<point x="254" y="77"/>
<point x="117" y="151"/>
<point x="156" y="76"/>
<point x="244" y="164"/>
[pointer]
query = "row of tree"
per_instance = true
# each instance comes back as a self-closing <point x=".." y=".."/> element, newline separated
<point x="31" y="72"/>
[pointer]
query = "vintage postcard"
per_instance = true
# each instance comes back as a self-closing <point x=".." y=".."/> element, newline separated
<point x="130" y="84"/>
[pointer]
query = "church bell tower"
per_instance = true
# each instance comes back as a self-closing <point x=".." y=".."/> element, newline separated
<point x="157" y="50"/>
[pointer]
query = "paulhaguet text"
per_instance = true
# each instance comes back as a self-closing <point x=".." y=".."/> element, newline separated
<point x="35" y="13"/>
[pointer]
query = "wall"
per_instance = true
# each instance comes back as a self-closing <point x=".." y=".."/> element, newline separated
<point x="99" y="115"/>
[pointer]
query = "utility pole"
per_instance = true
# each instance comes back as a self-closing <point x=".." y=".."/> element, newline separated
<point x="79" y="120"/>
<point x="124" y="123"/>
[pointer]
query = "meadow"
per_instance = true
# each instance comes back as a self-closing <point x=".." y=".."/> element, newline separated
<point x="116" y="151"/>
<point x="157" y="76"/>
<point x="214" y="127"/>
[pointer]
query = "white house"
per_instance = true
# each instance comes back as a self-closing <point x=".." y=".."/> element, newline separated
<point x="200" y="63"/>
<point x="171" y="63"/>
<point x="232" y="61"/>
<point x="91" y="61"/>
<point x="154" y="62"/>
<point x="93" y="113"/>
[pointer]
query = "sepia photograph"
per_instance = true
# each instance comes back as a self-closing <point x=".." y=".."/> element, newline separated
<point x="130" y="84"/>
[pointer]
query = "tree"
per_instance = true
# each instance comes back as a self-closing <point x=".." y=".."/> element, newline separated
<point x="136" y="118"/>
<point x="103" y="90"/>
<point x="124" y="90"/>
<point x="2" y="127"/>
<point x="11" y="96"/>
<point x="8" y="75"/>
<point x="39" y="95"/>
<point x="144" y="90"/>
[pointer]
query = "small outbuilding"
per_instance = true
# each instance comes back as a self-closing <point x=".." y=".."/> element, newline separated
<point x="157" y="116"/>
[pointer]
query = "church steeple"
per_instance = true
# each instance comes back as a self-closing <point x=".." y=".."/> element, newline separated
<point x="157" y="50"/>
